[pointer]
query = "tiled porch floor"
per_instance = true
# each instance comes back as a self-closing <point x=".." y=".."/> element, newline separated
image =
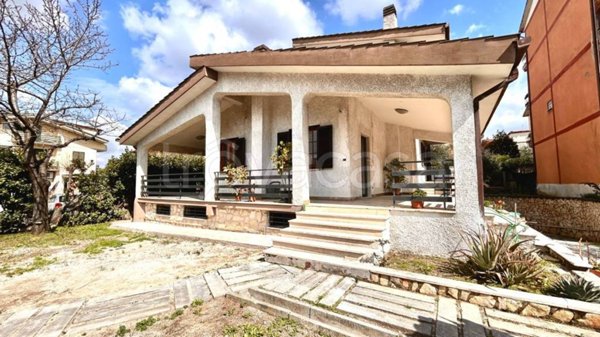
<point x="379" y="201"/>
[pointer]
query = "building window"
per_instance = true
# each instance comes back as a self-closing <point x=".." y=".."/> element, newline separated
<point x="196" y="212"/>
<point x="78" y="156"/>
<point x="233" y="151"/>
<point x="280" y="219"/>
<point x="320" y="145"/>
<point x="163" y="209"/>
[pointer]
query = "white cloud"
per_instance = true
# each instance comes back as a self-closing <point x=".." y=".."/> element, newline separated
<point x="457" y="9"/>
<point x="509" y="114"/>
<point x="351" y="10"/>
<point x="474" y="28"/>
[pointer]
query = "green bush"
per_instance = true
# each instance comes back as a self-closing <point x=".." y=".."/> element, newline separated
<point x="16" y="197"/>
<point x="575" y="288"/>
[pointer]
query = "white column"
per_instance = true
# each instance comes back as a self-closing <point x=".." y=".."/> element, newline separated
<point x="300" y="171"/>
<point x="256" y="138"/>
<point x="141" y="170"/>
<point x="213" y="148"/>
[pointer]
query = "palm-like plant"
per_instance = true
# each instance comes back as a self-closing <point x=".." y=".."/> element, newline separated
<point x="575" y="288"/>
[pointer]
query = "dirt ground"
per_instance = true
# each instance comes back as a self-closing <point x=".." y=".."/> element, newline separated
<point x="218" y="317"/>
<point x="67" y="273"/>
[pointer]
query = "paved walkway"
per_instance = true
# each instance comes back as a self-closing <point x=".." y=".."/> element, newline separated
<point x="394" y="309"/>
<point x="246" y="239"/>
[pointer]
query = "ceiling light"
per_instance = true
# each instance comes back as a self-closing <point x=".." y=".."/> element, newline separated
<point x="401" y="111"/>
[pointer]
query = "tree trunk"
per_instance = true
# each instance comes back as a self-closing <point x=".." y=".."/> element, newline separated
<point x="40" y="220"/>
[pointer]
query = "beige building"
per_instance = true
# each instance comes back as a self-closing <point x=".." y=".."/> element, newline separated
<point x="349" y="104"/>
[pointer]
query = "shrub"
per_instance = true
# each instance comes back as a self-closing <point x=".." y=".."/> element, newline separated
<point x="575" y="288"/>
<point x="16" y="198"/>
<point x="497" y="257"/>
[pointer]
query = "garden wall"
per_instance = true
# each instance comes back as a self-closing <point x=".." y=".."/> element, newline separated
<point x="565" y="217"/>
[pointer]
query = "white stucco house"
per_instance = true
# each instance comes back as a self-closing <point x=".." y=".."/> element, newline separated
<point x="522" y="138"/>
<point x="348" y="103"/>
<point x="54" y="134"/>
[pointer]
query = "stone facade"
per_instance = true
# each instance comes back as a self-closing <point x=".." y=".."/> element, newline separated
<point x="569" y="218"/>
<point x="230" y="218"/>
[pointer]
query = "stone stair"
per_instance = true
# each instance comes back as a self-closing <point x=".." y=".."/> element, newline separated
<point x="338" y="231"/>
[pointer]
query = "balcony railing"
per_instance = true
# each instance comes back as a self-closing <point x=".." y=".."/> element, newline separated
<point x="266" y="184"/>
<point x="174" y="185"/>
<point x="426" y="176"/>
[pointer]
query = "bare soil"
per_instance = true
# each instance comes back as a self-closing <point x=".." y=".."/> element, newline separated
<point x="218" y="317"/>
<point x="67" y="273"/>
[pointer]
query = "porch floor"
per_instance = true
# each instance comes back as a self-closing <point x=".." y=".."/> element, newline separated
<point x="381" y="201"/>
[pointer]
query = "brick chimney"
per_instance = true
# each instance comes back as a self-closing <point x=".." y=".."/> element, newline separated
<point x="390" y="19"/>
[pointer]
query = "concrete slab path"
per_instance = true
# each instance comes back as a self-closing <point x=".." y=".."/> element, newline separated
<point x="244" y="239"/>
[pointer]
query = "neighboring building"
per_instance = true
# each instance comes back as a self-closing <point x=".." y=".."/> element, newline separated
<point x="564" y="108"/>
<point x="522" y="138"/>
<point x="54" y="134"/>
<point x="349" y="103"/>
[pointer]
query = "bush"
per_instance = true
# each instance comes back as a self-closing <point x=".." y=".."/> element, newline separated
<point x="16" y="198"/>
<point x="575" y="288"/>
<point x="497" y="257"/>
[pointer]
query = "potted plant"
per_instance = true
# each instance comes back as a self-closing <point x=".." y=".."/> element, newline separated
<point x="236" y="175"/>
<point x="282" y="161"/>
<point x="393" y="165"/>
<point x="417" y="198"/>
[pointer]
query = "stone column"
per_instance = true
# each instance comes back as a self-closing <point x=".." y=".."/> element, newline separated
<point x="141" y="169"/>
<point x="465" y="150"/>
<point x="300" y="179"/>
<point x="213" y="148"/>
<point x="256" y="138"/>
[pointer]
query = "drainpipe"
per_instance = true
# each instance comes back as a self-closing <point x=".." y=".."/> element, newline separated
<point x="521" y="48"/>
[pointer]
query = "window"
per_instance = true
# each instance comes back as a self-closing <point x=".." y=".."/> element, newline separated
<point x="196" y="212"/>
<point x="78" y="156"/>
<point x="233" y="151"/>
<point x="163" y="209"/>
<point x="320" y="145"/>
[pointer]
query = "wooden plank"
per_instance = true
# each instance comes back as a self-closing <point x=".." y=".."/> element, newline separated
<point x="397" y="292"/>
<point x="389" y="307"/>
<point x="520" y="329"/>
<point x="336" y="293"/>
<point x="181" y="294"/>
<point x="14" y="321"/>
<point x="198" y="288"/>
<point x="287" y="286"/>
<point x="400" y="300"/>
<point x="245" y="267"/>
<point x="447" y="319"/>
<point x="240" y="275"/>
<point x="61" y="320"/>
<point x="302" y="288"/>
<point x="33" y="324"/>
<point x="216" y="284"/>
<point x="317" y="293"/>
<point x="386" y="319"/>
<point x="472" y="320"/>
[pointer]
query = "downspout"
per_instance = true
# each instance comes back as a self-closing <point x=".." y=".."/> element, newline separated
<point x="521" y="48"/>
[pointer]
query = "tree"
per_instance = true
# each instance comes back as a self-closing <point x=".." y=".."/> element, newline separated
<point x="42" y="48"/>
<point x="504" y="145"/>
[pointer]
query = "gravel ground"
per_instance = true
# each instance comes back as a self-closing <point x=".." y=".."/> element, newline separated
<point x="133" y="267"/>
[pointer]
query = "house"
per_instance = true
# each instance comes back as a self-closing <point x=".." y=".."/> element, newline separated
<point x="349" y="103"/>
<point x="55" y="134"/>
<point x="522" y="138"/>
<point x="564" y="96"/>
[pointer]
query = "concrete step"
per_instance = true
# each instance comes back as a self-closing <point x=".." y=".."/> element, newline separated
<point x="321" y="247"/>
<point x="333" y="323"/>
<point x="354" y="228"/>
<point x="365" y="219"/>
<point x="348" y="209"/>
<point x="363" y="240"/>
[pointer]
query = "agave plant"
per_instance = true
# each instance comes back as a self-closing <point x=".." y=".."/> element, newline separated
<point x="496" y="256"/>
<point x="575" y="288"/>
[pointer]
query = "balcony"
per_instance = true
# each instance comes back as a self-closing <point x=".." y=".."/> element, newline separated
<point x="265" y="184"/>
<point x="174" y="185"/>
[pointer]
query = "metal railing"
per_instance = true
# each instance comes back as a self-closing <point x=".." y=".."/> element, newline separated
<point x="265" y="184"/>
<point x="440" y="179"/>
<point x="174" y="185"/>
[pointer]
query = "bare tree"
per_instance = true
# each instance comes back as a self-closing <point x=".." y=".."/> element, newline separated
<point x="42" y="49"/>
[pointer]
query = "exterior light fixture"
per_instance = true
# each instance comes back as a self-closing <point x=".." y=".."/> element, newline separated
<point x="401" y="111"/>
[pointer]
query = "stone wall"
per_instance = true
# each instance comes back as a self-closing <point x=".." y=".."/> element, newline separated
<point x="229" y="218"/>
<point x="569" y="218"/>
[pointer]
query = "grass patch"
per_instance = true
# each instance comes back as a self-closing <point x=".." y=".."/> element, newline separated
<point x="38" y="262"/>
<point x="99" y="246"/>
<point x="122" y="331"/>
<point x="145" y="324"/>
<point x="281" y="326"/>
<point x="176" y="314"/>
<point x="428" y="265"/>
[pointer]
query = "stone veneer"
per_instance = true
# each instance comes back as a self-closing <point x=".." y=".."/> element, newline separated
<point x="231" y="218"/>
<point x="570" y="218"/>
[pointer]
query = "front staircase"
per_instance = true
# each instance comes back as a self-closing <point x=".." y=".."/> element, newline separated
<point x="338" y="231"/>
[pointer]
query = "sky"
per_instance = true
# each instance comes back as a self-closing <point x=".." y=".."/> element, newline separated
<point x="153" y="39"/>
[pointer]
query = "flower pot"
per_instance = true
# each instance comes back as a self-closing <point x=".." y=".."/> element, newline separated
<point x="595" y="272"/>
<point x="416" y="203"/>
<point x="252" y="198"/>
<point x="238" y="198"/>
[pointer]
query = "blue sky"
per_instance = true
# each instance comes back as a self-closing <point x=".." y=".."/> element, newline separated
<point x="152" y="39"/>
